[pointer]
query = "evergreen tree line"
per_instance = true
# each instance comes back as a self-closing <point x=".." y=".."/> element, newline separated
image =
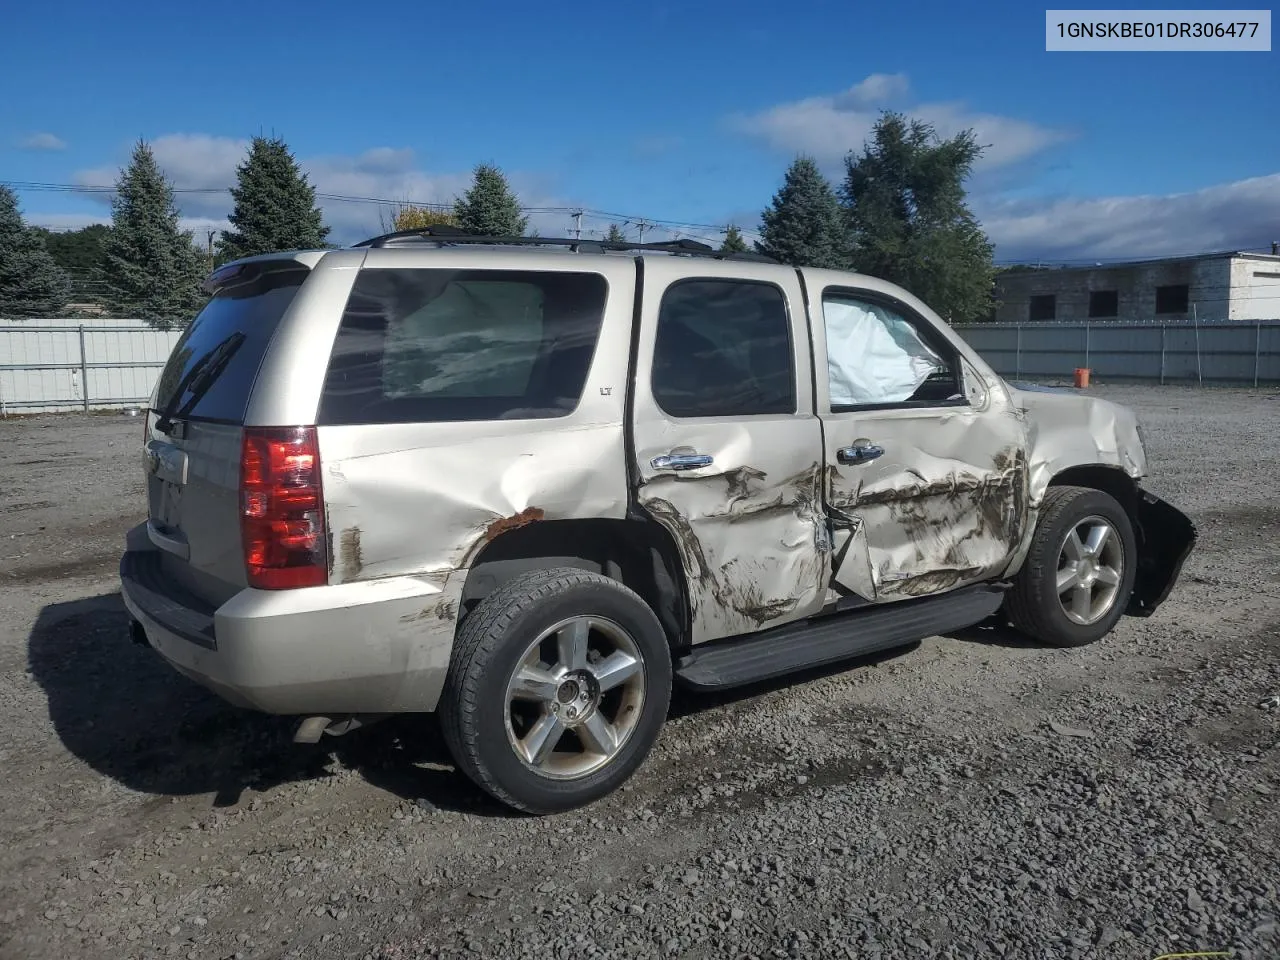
<point x="146" y="267"/>
<point x="899" y="214"/>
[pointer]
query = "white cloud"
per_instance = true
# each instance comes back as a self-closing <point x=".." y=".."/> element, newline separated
<point x="42" y="141"/>
<point x="828" y="127"/>
<point x="192" y="162"/>
<point x="876" y="90"/>
<point x="1237" y="215"/>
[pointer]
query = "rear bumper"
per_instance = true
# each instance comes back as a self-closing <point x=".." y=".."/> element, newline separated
<point x="380" y="646"/>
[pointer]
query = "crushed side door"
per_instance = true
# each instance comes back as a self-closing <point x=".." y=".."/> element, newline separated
<point x="926" y="478"/>
<point x="727" y="456"/>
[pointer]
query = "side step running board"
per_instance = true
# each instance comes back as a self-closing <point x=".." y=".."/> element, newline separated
<point x="736" y="661"/>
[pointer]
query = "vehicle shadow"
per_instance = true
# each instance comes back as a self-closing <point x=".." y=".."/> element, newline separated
<point x="996" y="632"/>
<point x="121" y="709"/>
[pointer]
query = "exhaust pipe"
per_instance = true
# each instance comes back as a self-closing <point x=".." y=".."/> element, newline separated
<point x="311" y="729"/>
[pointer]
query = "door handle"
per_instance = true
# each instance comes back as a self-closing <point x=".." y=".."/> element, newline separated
<point x="862" y="451"/>
<point x="681" y="461"/>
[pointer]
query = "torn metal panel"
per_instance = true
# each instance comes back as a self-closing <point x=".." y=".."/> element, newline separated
<point x="752" y="538"/>
<point x="850" y="555"/>
<point x="1065" y="429"/>
<point x="946" y="505"/>
<point x="748" y="526"/>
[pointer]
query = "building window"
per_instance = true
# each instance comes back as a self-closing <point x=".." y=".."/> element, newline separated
<point x="1172" y="299"/>
<point x="1043" y="307"/>
<point x="1104" y="303"/>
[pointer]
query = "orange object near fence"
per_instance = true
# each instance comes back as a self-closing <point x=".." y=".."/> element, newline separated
<point x="1082" y="377"/>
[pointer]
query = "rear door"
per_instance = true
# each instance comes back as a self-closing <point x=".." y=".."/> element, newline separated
<point x="927" y="482"/>
<point x="194" y="427"/>
<point x="727" y="448"/>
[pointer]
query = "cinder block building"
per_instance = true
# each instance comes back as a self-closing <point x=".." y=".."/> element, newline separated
<point x="1217" y="286"/>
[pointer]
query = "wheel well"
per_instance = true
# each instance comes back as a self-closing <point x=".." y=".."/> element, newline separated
<point x="1111" y="480"/>
<point x="1164" y="535"/>
<point x="638" y="553"/>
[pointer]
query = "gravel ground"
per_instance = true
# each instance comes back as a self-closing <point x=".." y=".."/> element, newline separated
<point x="973" y="796"/>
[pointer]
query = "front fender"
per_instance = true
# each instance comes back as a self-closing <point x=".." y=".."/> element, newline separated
<point x="1166" y="537"/>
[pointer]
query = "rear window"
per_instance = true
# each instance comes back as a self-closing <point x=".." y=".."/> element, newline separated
<point x="211" y="371"/>
<point x="419" y="346"/>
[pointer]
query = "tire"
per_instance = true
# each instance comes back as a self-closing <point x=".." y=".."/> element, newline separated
<point x="1034" y="604"/>
<point x="493" y="723"/>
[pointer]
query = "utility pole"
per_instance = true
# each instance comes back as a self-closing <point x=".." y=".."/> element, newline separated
<point x="642" y="225"/>
<point x="577" y="225"/>
<point x="210" y="248"/>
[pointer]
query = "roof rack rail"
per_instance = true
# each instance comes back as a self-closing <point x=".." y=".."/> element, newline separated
<point x="444" y="234"/>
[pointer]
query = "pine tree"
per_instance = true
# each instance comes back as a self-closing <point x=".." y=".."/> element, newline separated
<point x="151" y="270"/>
<point x="733" y="241"/>
<point x="489" y="207"/>
<point x="803" y="226"/>
<point x="275" y="205"/>
<point x="31" y="282"/>
<point x="615" y="234"/>
<point x="79" y="252"/>
<point x="904" y="198"/>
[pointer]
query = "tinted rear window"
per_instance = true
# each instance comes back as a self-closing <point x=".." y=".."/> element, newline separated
<point x="427" y="345"/>
<point x="211" y="371"/>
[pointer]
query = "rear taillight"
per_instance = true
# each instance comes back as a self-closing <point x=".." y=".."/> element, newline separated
<point x="282" y="508"/>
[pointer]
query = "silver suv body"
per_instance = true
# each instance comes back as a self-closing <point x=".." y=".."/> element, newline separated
<point x="356" y="456"/>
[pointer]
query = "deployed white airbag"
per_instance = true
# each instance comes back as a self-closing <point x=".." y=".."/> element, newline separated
<point x="873" y="354"/>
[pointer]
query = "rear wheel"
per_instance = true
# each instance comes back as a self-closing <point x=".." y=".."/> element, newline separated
<point x="557" y="689"/>
<point x="1078" y="575"/>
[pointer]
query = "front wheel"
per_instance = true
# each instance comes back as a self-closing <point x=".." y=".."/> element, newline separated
<point x="1078" y="575"/>
<point x="558" y="687"/>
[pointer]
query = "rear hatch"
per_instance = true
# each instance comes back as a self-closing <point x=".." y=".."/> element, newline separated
<point x="194" y="428"/>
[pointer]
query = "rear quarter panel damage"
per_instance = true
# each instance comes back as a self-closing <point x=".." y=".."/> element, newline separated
<point x="407" y="499"/>
<point x="415" y="504"/>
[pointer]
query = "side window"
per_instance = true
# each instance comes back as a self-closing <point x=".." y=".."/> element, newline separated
<point x="423" y="345"/>
<point x="723" y="349"/>
<point x="877" y="357"/>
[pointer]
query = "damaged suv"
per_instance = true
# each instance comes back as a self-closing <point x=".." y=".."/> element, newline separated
<point x="529" y="484"/>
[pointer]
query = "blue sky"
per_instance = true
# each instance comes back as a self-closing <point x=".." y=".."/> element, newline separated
<point x="685" y="112"/>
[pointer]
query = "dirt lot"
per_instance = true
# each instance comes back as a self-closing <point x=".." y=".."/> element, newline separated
<point x="971" y="796"/>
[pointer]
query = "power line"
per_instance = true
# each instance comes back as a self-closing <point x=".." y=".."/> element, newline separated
<point x="32" y="186"/>
<point x="681" y="227"/>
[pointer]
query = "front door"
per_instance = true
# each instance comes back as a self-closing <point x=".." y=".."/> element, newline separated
<point x="728" y="451"/>
<point x="927" y="466"/>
